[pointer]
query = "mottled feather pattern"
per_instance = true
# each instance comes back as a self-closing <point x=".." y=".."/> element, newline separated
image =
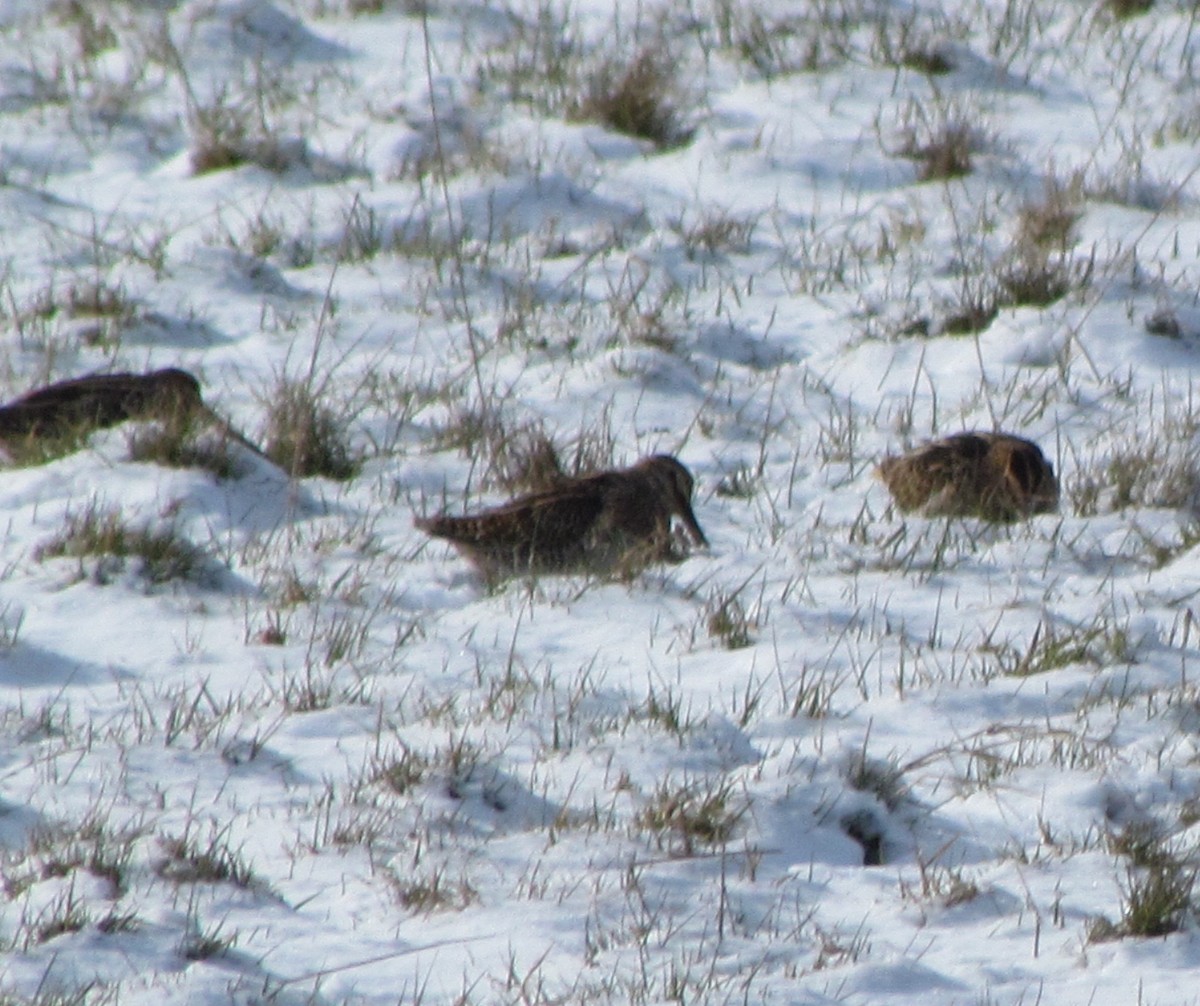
<point x="100" y="400"/>
<point x="993" y="476"/>
<point x="595" y="523"/>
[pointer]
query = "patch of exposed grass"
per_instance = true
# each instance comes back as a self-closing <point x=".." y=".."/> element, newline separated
<point x="1035" y="280"/>
<point x="181" y="445"/>
<point x="1050" y="223"/>
<point x="305" y="435"/>
<point x="546" y="63"/>
<point x="1156" y="900"/>
<point x="728" y="622"/>
<point x="1124" y="9"/>
<point x="688" y="816"/>
<point x="714" y="232"/>
<point x="400" y="773"/>
<point x="944" y="151"/>
<point x="227" y="134"/>
<point x="188" y="861"/>
<point x="882" y="779"/>
<point x="1160" y="468"/>
<point x="524" y="459"/>
<point x="201" y="945"/>
<point x="433" y="891"/>
<point x="638" y="97"/>
<point x="103" y="533"/>
<point x="976" y="309"/>
<point x="1053" y="647"/>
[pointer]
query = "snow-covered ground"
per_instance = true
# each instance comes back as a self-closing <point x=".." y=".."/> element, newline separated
<point x="845" y="754"/>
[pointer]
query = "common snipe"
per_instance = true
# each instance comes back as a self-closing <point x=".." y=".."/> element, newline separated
<point x="612" y="521"/>
<point x="995" y="476"/>
<point x="88" y="403"/>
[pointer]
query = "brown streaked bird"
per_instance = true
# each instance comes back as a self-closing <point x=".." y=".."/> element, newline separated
<point x="77" y="407"/>
<point x="994" y="476"/>
<point x="612" y="521"/>
<point x="100" y="400"/>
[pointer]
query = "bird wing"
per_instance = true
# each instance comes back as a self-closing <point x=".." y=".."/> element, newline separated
<point x="83" y="388"/>
<point x="563" y="515"/>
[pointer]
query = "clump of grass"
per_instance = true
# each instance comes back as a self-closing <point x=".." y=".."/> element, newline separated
<point x="434" y="891"/>
<point x="1050" y="223"/>
<point x="363" y="234"/>
<point x="1036" y="270"/>
<point x="948" y="886"/>
<point x="65" y="914"/>
<point x="466" y="429"/>
<point x="1165" y="323"/>
<point x="809" y="694"/>
<point x="741" y="483"/>
<point x="227" y="135"/>
<point x="903" y="42"/>
<point x="118" y="922"/>
<point x="266" y="234"/>
<point x="104" y="533"/>
<point x="639" y="98"/>
<point x="1051" y="651"/>
<point x="188" y="861"/>
<point x="524" y="459"/>
<point x="1036" y="280"/>
<point x="540" y="63"/>
<point x="400" y="773"/>
<point x="835" y="950"/>
<point x="305" y="435"/>
<point x="882" y="779"/>
<point x="946" y="149"/>
<point x="715" y="232"/>
<point x="931" y="61"/>
<point x="180" y="445"/>
<point x="521" y="456"/>
<point x="201" y="945"/>
<point x="1124" y="9"/>
<point x="1159" y="470"/>
<point x="1157" y="897"/>
<point x="1158" y="900"/>
<point x="1052" y="648"/>
<point x="99" y="300"/>
<point x="547" y="63"/>
<point x="91" y="845"/>
<point x="669" y="710"/>
<point x="770" y="46"/>
<point x="727" y="621"/>
<point x="692" y="815"/>
<point x="647" y="314"/>
<point x="976" y="309"/>
<point x="779" y="44"/>
<point x="1147" y="476"/>
<point x="103" y="309"/>
<point x="1142" y="843"/>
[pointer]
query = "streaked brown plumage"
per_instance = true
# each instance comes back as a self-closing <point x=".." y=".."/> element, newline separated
<point x="70" y="410"/>
<point x="613" y="521"/>
<point x="994" y="476"/>
<point x="88" y="403"/>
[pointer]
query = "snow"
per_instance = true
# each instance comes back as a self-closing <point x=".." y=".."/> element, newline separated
<point x="333" y="767"/>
